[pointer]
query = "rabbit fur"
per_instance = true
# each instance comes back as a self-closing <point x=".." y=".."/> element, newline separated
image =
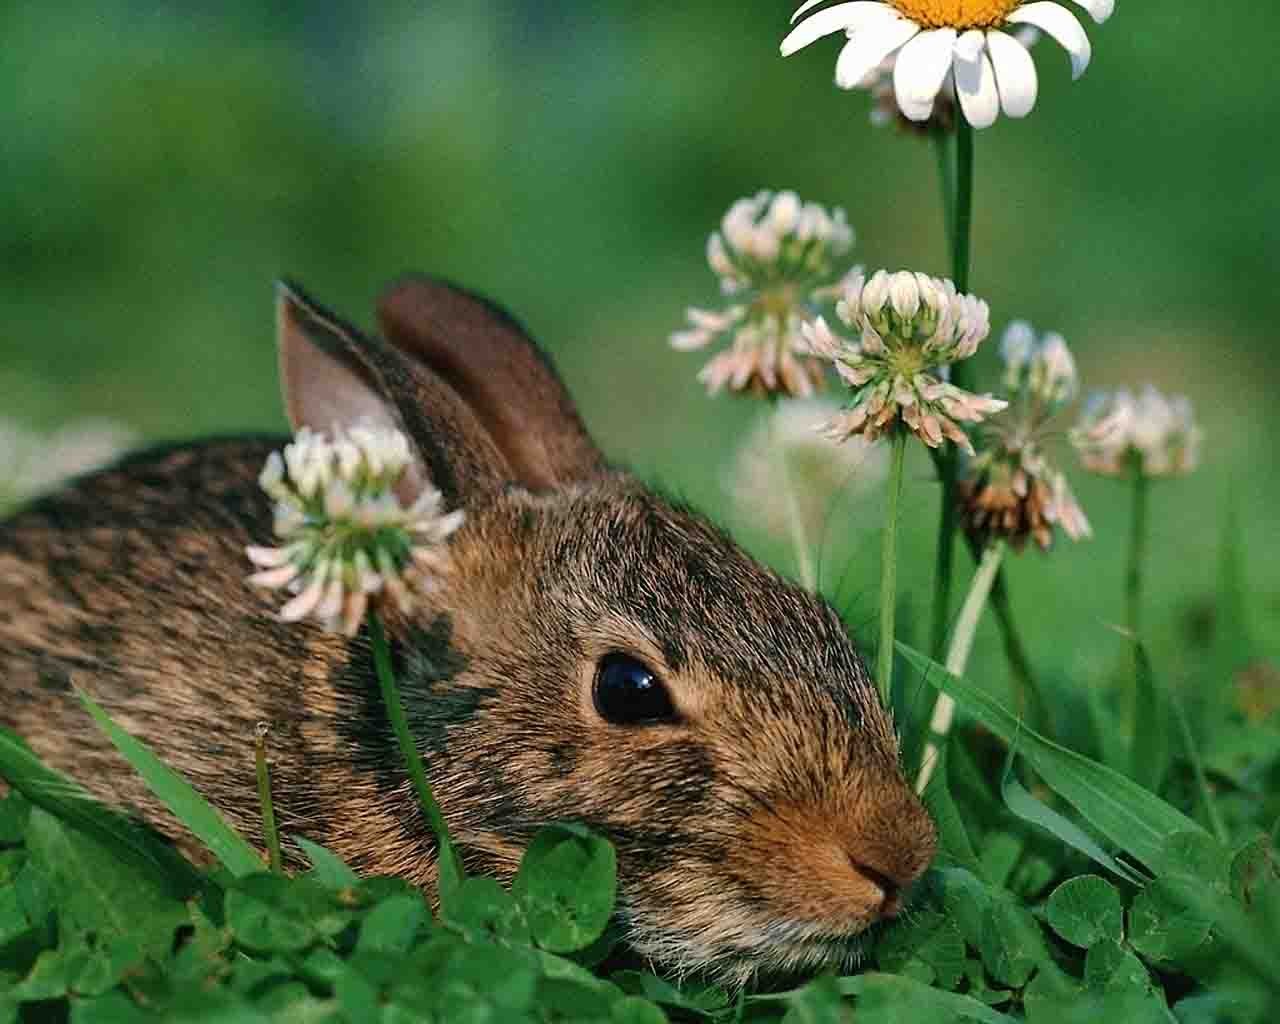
<point x="762" y="829"/>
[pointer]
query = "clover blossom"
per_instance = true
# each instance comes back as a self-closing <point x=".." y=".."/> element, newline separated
<point x="908" y="325"/>
<point x="347" y="541"/>
<point x="777" y="258"/>
<point x="1159" y="433"/>
<point x="1011" y="490"/>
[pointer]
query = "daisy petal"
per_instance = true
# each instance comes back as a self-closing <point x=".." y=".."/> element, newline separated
<point x="976" y="87"/>
<point x="920" y="69"/>
<point x="1099" y="10"/>
<point x="1015" y="74"/>
<point x="869" y="47"/>
<point x="1063" y="26"/>
<point x="839" y="18"/>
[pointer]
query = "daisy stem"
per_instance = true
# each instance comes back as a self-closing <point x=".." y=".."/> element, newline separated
<point x="964" y="203"/>
<point x="450" y="868"/>
<point x="795" y="521"/>
<point x="946" y="178"/>
<point x="944" y="707"/>
<point x="956" y="179"/>
<point x="270" y="833"/>
<point x="889" y="567"/>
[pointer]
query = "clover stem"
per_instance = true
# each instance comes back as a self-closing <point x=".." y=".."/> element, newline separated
<point x="1133" y="578"/>
<point x="795" y="521"/>
<point x="944" y="707"/>
<point x="449" y="867"/>
<point x="889" y="566"/>
<point x="270" y="833"/>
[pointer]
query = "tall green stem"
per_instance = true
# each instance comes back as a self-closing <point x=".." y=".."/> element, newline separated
<point x="1133" y="577"/>
<point x="450" y="870"/>
<point x="957" y="190"/>
<point x="795" y="521"/>
<point x="944" y="708"/>
<point x="270" y="833"/>
<point x="889" y="567"/>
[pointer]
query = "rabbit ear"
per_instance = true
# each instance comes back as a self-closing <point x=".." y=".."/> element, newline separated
<point x="499" y="372"/>
<point x="333" y="374"/>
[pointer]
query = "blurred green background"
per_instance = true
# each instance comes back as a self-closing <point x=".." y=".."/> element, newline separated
<point x="164" y="163"/>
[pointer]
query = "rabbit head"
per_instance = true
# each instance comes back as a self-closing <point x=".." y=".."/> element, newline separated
<point x="597" y="653"/>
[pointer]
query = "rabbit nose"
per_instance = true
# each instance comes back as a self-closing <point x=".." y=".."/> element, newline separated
<point x="890" y="890"/>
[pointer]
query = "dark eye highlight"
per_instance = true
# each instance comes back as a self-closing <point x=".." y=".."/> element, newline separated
<point x="628" y="692"/>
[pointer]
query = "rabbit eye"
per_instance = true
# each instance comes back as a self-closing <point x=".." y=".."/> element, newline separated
<point x="627" y="692"/>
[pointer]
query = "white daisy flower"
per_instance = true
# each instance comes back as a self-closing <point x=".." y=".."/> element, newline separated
<point x="346" y="539"/>
<point x="964" y="44"/>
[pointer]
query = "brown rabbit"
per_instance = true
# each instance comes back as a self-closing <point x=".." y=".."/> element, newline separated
<point x="596" y="653"/>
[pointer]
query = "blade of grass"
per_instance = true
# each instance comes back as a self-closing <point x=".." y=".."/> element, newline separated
<point x="1120" y="810"/>
<point x="70" y="803"/>
<point x="1150" y="744"/>
<point x="1033" y="811"/>
<point x="177" y="794"/>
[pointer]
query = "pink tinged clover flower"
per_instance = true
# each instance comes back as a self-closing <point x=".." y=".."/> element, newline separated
<point x="964" y="44"/>
<point x="347" y="541"/>
<point x="1159" y="432"/>
<point x="777" y="258"/>
<point x="910" y="327"/>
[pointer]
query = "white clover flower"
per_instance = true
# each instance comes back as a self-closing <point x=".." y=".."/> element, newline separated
<point x="786" y="467"/>
<point x="777" y="257"/>
<point x="1038" y="370"/>
<point x="966" y="44"/>
<point x="1010" y="490"/>
<point x="908" y="324"/>
<point x="1158" y="432"/>
<point x="346" y="539"/>
<point x="31" y="463"/>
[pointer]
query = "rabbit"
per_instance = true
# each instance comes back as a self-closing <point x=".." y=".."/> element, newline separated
<point x="594" y="653"/>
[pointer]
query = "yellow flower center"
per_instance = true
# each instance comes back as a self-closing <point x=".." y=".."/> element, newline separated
<point x="958" y="14"/>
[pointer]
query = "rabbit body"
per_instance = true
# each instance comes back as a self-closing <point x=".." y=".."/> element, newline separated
<point x="763" y="826"/>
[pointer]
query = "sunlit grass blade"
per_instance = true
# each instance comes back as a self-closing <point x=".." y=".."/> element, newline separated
<point x="1033" y="811"/>
<point x="1120" y="810"/>
<point x="188" y="806"/>
<point x="70" y="803"/>
<point x="1151" y="737"/>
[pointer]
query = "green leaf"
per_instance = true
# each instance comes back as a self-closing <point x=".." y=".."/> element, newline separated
<point x="1117" y="807"/>
<point x="1109" y="967"/>
<point x="926" y="938"/>
<point x="1161" y="925"/>
<point x="272" y="914"/>
<point x="178" y="795"/>
<point x="1012" y="943"/>
<point x="327" y="868"/>
<point x="392" y="925"/>
<point x="67" y="800"/>
<point x="630" y="1010"/>
<point x="819" y="1002"/>
<point x="97" y="892"/>
<point x="13" y="818"/>
<point x="483" y="907"/>
<point x="566" y="883"/>
<point x="909" y="1000"/>
<point x="1086" y="910"/>
<point x="965" y="898"/>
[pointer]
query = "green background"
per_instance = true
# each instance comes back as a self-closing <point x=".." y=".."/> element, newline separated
<point x="164" y="163"/>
